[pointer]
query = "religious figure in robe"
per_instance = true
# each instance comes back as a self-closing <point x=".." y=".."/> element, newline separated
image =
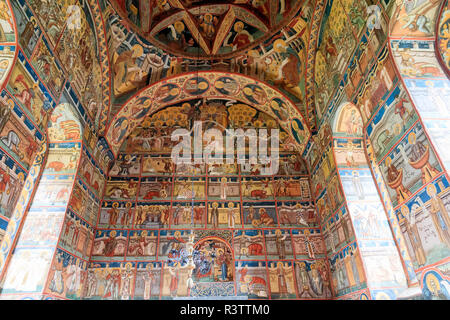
<point x="279" y="241"/>
<point x="413" y="233"/>
<point x="282" y="283"/>
<point x="439" y="215"/>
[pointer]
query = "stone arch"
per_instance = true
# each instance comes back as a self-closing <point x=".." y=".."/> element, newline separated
<point x="42" y="207"/>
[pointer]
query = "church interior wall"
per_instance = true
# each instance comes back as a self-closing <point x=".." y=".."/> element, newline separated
<point x="395" y="74"/>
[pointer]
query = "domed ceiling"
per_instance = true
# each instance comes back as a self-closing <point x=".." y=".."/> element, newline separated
<point x="207" y="29"/>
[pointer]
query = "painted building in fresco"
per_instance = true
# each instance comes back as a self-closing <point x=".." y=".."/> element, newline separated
<point x="91" y="93"/>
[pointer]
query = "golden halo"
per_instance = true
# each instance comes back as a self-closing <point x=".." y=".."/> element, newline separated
<point x="405" y="210"/>
<point x="278" y="232"/>
<point x="388" y="161"/>
<point x="431" y="277"/>
<point x="179" y="26"/>
<point x="4" y="63"/>
<point x="138" y="51"/>
<point x="274" y="104"/>
<point x="279" y="45"/>
<point x="124" y="124"/>
<point x="174" y="91"/>
<point x="215" y="205"/>
<point x="219" y="85"/>
<point x="248" y="91"/>
<point x="238" y="26"/>
<point x="230" y="205"/>
<point x="431" y="190"/>
<point x="115" y="205"/>
<point x="202" y="85"/>
<point x="412" y="138"/>
<point x="21" y="176"/>
<point x="113" y="233"/>
<point x="253" y="53"/>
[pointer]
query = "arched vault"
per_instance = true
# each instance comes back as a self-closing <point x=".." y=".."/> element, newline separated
<point x="208" y="85"/>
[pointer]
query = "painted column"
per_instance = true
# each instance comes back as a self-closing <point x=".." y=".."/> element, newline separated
<point x="26" y="273"/>
<point x="385" y="271"/>
<point x="419" y="45"/>
<point x="348" y="276"/>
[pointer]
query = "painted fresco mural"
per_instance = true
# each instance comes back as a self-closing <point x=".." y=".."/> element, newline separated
<point x="19" y="143"/>
<point x="8" y="41"/>
<point x="72" y="36"/>
<point x="206" y="230"/>
<point x="272" y="61"/>
<point x="424" y="75"/>
<point x="347" y="271"/>
<point x="46" y="214"/>
<point x="390" y="116"/>
<point x="209" y="85"/>
<point x="124" y="222"/>
<point x="204" y="30"/>
<point x="427" y="83"/>
<point x="384" y="269"/>
<point x="36" y="83"/>
<point x="443" y="36"/>
<point x="350" y="34"/>
<point x="27" y="107"/>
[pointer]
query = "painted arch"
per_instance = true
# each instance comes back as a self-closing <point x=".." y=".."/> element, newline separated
<point x="208" y="85"/>
<point x="48" y="185"/>
<point x="369" y="215"/>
